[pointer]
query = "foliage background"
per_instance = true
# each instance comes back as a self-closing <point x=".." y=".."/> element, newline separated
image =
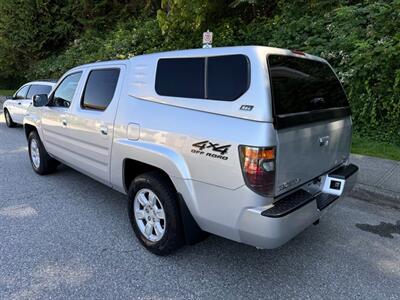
<point x="361" y="39"/>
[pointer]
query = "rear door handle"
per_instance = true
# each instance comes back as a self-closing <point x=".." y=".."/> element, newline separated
<point x="64" y="122"/>
<point x="324" y="141"/>
<point x="104" y="130"/>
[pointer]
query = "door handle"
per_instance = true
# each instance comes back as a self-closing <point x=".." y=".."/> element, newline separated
<point x="19" y="103"/>
<point x="104" y="130"/>
<point x="64" y="122"/>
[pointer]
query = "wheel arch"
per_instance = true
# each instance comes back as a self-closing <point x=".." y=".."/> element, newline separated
<point x="144" y="156"/>
<point x="132" y="168"/>
<point x="192" y="231"/>
<point x="5" y="109"/>
<point x="28" y="128"/>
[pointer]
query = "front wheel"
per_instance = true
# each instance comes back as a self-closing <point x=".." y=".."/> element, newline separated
<point x="9" y="121"/>
<point x="42" y="162"/>
<point x="154" y="214"/>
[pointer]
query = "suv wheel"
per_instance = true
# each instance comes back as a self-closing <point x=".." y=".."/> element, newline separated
<point x="10" y="123"/>
<point x="154" y="214"/>
<point x="41" y="161"/>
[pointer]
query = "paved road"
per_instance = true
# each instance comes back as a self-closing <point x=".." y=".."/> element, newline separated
<point x="67" y="236"/>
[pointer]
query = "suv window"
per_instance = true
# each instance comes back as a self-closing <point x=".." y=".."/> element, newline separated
<point x="65" y="92"/>
<point x="215" y="78"/>
<point x="100" y="89"/>
<point x="21" y="94"/>
<point x="37" y="89"/>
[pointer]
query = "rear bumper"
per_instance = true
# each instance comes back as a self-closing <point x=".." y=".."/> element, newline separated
<point x="272" y="226"/>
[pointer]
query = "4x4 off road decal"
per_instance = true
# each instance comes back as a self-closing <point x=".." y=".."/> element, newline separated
<point x="210" y="149"/>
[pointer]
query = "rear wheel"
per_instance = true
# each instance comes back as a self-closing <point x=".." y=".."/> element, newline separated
<point x="154" y="214"/>
<point x="42" y="162"/>
<point x="10" y="123"/>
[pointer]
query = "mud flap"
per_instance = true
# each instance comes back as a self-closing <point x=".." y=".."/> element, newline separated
<point x="193" y="233"/>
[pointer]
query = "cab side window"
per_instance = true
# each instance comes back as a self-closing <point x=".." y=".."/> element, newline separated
<point x="100" y="88"/>
<point x="63" y="95"/>
<point x="37" y="89"/>
<point x="21" y="94"/>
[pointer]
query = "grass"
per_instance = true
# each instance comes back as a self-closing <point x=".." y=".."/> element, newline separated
<point x="370" y="147"/>
<point x="7" y="92"/>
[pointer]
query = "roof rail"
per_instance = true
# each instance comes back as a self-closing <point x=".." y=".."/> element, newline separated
<point x="48" y="80"/>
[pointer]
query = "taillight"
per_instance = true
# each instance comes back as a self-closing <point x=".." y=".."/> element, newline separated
<point x="258" y="166"/>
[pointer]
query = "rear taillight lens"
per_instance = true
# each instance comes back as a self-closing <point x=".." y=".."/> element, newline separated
<point x="258" y="166"/>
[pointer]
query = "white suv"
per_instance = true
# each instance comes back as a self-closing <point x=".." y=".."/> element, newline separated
<point x="249" y="143"/>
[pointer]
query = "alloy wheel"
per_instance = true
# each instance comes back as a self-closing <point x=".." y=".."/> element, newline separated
<point x="149" y="215"/>
<point x="8" y="121"/>
<point x="35" y="155"/>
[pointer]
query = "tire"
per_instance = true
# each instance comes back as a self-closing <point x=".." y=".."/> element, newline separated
<point x="9" y="121"/>
<point x="42" y="162"/>
<point x="171" y="238"/>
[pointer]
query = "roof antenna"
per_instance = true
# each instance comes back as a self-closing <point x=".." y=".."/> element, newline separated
<point x="207" y="39"/>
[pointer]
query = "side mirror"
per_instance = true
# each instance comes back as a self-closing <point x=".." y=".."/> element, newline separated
<point x="9" y="97"/>
<point x="40" y="100"/>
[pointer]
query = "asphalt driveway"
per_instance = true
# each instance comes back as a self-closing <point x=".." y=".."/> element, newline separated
<point x="67" y="236"/>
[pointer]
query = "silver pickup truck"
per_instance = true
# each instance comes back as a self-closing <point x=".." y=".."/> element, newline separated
<point x="248" y="143"/>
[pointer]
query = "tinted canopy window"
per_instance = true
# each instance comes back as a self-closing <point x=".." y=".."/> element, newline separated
<point x="100" y="88"/>
<point x="216" y="78"/>
<point x="180" y="77"/>
<point x="303" y="85"/>
<point x="37" y="89"/>
<point x="227" y="77"/>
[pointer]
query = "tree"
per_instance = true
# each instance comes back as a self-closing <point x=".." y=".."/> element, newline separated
<point x="31" y="32"/>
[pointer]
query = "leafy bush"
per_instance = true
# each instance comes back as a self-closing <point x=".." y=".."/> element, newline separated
<point x="126" y="40"/>
<point x="362" y="42"/>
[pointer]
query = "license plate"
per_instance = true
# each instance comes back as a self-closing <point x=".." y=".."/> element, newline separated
<point x="333" y="186"/>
